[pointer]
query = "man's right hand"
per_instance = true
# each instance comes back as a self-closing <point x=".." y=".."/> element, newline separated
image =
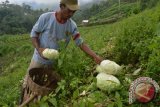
<point x="35" y="41"/>
<point x="40" y="51"/>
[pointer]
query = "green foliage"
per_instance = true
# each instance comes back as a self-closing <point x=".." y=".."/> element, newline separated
<point x="148" y="3"/>
<point x="13" y="65"/>
<point x="16" y="19"/>
<point x="133" y="38"/>
<point x="10" y="82"/>
<point x="153" y="65"/>
<point x="5" y="49"/>
<point x="8" y="44"/>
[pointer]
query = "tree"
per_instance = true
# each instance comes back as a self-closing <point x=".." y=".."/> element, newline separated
<point x="17" y="19"/>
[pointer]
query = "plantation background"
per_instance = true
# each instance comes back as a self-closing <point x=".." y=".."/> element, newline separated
<point x="132" y="41"/>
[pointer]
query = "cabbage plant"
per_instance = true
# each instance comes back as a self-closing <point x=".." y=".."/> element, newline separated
<point x="108" y="67"/>
<point x="50" y="53"/>
<point x="107" y="82"/>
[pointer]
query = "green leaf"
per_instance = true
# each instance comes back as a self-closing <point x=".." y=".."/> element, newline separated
<point x="117" y="95"/>
<point x="158" y="30"/>
<point x="75" y="94"/>
<point x="44" y="98"/>
<point x="53" y="101"/>
<point x="60" y="61"/>
<point x="57" y="90"/>
<point x="89" y="104"/>
<point x="110" y="105"/>
<point x="118" y="99"/>
<point x="119" y="103"/>
<point x="5" y="105"/>
<point x="75" y="104"/>
<point x="82" y="103"/>
<point x="44" y="105"/>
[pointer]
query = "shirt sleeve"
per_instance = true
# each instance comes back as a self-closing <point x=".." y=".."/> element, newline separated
<point x="39" y="26"/>
<point x="76" y="35"/>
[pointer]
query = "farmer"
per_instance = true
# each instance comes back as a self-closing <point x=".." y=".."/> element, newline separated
<point x="52" y="27"/>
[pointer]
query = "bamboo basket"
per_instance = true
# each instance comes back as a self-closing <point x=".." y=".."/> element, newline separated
<point x="40" y="82"/>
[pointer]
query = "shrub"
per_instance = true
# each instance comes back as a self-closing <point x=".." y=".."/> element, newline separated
<point x="131" y="44"/>
<point x="153" y="65"/>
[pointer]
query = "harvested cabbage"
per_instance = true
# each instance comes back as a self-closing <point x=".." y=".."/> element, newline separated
<point x="109" y="67"/>
<point x="107" y="82"/>
<point x="50" y="53"/>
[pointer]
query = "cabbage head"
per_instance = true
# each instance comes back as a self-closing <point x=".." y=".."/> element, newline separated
<point x="108" y="67"/>
<point x="50" y="53"/>
<point x="107" y="82"/>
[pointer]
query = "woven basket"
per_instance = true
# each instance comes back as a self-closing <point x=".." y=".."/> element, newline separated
<point x="40" y="82"/>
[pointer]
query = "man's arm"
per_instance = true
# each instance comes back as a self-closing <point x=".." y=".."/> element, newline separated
<point x="35" y="42"/>
<point x="88" y="51"/>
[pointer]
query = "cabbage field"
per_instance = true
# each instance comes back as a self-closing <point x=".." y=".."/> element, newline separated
<point x="133" y="42"/>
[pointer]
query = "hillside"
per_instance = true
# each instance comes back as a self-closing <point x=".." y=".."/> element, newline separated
<point x="14" y="55"/>
<point x="133" y="42"/>
<point x="19" y="19"/>
<point x="110" y="11"/>
<point x="106" y="10"/>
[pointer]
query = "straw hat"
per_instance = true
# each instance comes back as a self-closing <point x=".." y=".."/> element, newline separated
<point x="71" y="4"/>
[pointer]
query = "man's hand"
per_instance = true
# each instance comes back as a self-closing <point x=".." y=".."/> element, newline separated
<point x="40" y="51"/>
<point x="35" y="42"/>
<point x="88" y="51"/>
<point x="98" y="59"/>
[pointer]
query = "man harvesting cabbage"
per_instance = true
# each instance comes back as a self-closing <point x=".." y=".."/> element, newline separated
<point x="53" y="27"/>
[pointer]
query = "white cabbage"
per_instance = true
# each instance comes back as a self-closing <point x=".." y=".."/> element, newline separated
<point x="107" y="82"/>
<point x="109" y="67"/>
<point x="50" y="53"/>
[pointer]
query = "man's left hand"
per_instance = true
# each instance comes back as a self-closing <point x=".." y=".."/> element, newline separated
<point x="98" y="59"/>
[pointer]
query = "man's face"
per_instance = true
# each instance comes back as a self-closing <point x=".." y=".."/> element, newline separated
<point x="67" y="13"/>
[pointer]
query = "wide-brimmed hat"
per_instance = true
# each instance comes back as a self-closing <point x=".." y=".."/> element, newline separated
<point x="71" y="4"/>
